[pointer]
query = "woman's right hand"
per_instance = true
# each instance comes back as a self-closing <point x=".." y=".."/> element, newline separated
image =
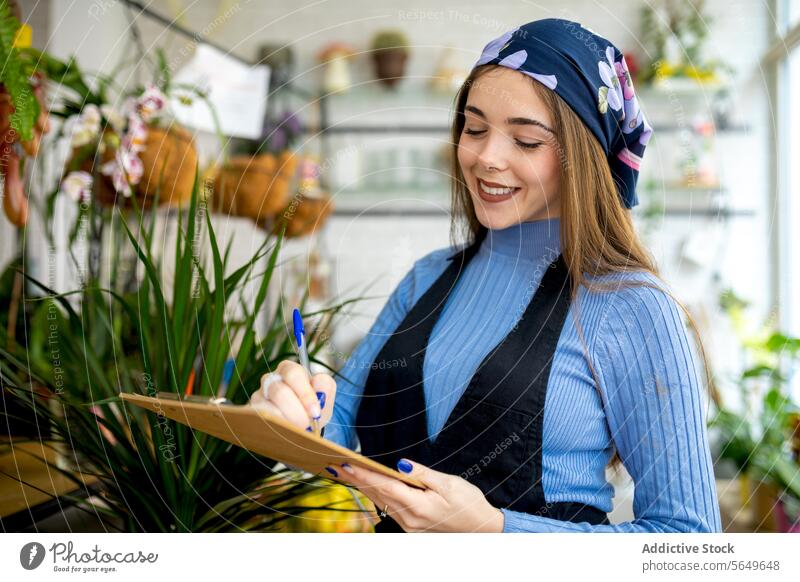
<point x="292" y="395"/>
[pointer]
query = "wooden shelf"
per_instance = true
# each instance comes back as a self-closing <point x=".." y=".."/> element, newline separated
<point x="21" y="504"/>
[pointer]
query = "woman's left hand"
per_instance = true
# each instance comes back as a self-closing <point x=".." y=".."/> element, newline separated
<point x="450" y="504"/>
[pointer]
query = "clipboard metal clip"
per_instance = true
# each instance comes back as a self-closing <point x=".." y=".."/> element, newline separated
<point x="193" y="398"/>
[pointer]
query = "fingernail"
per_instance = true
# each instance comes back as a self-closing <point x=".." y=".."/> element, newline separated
<point x="332" y="471"/>
<point x="404" y="466"/>
<point x="348" y="468"/>
<point x="321" y="398"/>
<point x="308" y="429"/>
<point x="315" y="412"/>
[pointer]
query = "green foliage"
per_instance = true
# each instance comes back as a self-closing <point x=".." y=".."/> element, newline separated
<point x="89" y="345"/>
<point x="759" y="441"/>
<point x="69" y="78"/>
<point x="772" y="458"/>
<point x="15" y="78"/>
<point x="688" y="23"/>
<point x="389" y="39"/>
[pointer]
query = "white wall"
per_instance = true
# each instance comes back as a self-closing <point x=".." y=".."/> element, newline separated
<point x="96" y="32"/>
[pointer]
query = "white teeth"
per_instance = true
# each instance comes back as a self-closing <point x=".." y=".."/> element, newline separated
<point x="496" y="191"/>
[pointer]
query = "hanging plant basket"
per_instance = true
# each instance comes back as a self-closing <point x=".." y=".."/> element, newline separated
<point x="168" y="165"/>
<point x="255" y="187"/>
<point x="169" y="161"/>
<point x="304" y="215"/>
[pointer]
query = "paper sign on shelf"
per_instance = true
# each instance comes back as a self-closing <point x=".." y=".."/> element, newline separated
<point x="237" y="91"/>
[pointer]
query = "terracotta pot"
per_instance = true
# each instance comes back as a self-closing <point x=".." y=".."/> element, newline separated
<point x="15" y="203"/>
<point x="304" y="215"/>
<point x="83" y="159"/>
<point x="169" y="163"/>
<point x="15" y="200"/>
<point x="390" y="65"/>
<point x="255" y="187"/>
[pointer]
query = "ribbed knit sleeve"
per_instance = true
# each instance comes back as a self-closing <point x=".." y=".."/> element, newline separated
<point x="653" y="401"/>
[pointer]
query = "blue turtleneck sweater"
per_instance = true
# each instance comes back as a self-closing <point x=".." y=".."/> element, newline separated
<point x="650" y="405"/>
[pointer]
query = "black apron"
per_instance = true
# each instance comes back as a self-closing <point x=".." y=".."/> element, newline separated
<point x="493" y="436"/>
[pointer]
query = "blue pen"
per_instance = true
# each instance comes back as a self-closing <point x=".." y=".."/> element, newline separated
<point x="302" y="350"/>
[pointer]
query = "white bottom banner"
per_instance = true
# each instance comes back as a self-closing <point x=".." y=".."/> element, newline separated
<point x="355" y="557"/>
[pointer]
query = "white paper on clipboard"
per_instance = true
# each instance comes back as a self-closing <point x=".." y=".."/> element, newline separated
<point x="237" y="91"/>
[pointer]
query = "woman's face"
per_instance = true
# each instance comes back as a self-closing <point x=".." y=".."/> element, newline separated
<point x="508" y="142"/>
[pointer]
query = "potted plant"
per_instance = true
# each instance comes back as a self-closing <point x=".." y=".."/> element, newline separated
<point x="134" y="151"/>
<point x="272" y="185"/>
<point x="762" y="439"/>
<point x="256" y="183"/>
<point x="310" y="206"/>
<point x="677" y="32"/>
<point x="127" y="333"/>
<point x="154" y="474"/>
<point x="255" y="186"/>
<point x="336" y="74"/>
<point x="389" y="54"/>
<point x="23" y="118"/>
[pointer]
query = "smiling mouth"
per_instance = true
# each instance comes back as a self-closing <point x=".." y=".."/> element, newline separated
<point x="495" y="192"/>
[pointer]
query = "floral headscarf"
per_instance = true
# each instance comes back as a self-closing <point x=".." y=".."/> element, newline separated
<point x="591" y="76"/>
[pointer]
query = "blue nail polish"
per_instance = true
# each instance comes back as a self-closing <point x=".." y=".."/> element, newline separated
<point x="308" y="429"/>
<point x="321" y="398"/>
<point x="332" y="471"/>
<point x="345" y="464"/>
<point x="404" y="466"/>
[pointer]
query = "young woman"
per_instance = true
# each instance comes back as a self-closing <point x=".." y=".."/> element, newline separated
<point x="507" y="373"/>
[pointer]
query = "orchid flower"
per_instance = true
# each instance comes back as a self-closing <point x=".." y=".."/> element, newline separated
<point x="78" y="186"/>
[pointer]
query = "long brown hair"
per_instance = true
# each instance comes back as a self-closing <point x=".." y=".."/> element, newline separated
<point x="597" y="233"/>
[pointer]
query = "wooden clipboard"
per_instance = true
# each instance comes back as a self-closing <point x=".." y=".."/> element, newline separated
<point x="263" y="433"/>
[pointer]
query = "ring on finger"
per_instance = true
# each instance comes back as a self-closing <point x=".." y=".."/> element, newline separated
<point x="268" y="380"/>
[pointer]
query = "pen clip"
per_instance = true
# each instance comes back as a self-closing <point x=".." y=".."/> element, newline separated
<point x="299" y="330"/>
